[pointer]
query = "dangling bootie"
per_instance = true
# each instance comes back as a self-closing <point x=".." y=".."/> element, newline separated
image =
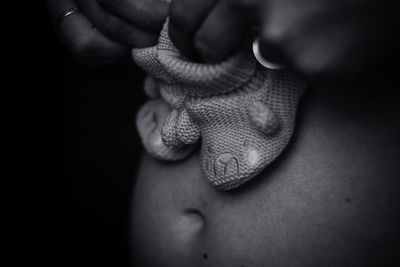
<point x="241" y="113"/>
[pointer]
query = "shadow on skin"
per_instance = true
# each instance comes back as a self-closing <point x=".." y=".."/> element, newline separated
<point x="328" y="200"/>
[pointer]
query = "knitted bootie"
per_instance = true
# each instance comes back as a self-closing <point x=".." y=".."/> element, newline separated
<point x="243" y="113"/>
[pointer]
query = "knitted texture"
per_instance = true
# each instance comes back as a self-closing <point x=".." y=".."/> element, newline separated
<point x="243" y="114"/>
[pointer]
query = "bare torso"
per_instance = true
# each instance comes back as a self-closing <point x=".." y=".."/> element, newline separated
<point x="331" y="199"/>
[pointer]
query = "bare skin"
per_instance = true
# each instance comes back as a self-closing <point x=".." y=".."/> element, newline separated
<point x="105" y="30"/>
<point x="332" y="199"/>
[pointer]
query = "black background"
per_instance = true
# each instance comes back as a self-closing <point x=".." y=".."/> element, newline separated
<point x="82" y="149"/>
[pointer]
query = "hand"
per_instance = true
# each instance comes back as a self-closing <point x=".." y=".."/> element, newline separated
<point x="135" y="23"/>
<point x="104" y="34"/>
<point x="319" y="38"/>
<point x="211" y="29"/>
<point x="331" y="40"/>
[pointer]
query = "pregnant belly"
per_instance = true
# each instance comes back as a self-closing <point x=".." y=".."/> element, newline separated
<point x="331" y="199"/>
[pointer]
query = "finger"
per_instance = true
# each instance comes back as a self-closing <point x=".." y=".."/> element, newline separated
<point x="147" y="14"/>
<point x="55" y="8"/>
<point x="315" y="43"/>
<point x="87" y="44"/>
<point x="84" y="42"/>
<point x="224" y="30"/>
<point x="185" y="18"/>
<point x="116" y="28"/>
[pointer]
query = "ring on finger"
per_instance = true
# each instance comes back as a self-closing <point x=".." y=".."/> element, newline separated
<point x="265" y="63"/>
<point x="67" y="13"/>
